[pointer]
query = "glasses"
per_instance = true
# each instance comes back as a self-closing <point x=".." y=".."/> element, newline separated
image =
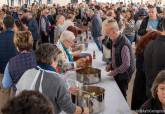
<point x="70" y="42"/>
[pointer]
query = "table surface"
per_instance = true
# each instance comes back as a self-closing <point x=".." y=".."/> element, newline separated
<point x="114" y="100"/>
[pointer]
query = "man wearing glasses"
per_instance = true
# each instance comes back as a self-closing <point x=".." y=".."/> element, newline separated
<point x="123" y="65"/>
<point x="44" y="26"/>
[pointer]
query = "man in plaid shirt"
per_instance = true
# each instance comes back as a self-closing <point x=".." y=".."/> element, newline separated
<point x="123" y="64"/>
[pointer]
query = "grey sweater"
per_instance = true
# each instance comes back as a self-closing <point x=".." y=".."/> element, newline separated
<point x="52" y="86"/>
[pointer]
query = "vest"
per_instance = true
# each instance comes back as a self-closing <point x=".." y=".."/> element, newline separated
<point x="19" y="64"/>
<point x="7" y="48"/>
<point x="120" y="43"/>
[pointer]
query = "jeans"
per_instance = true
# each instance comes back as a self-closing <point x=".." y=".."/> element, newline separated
<point x="98" y="43"/>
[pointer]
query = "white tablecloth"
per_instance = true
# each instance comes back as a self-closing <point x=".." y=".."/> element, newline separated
<point x="114" y="100"/>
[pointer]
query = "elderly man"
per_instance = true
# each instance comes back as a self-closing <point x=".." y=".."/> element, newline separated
<point x="96" y="27"/>
<point x="60" y="27"/>
<point x="46" y="80"/>
<point x="150" y="23"/>
<point x="45" y="26"/>
<point x="123" y="64"/>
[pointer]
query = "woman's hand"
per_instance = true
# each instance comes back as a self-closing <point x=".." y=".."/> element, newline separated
<point x="76" y="53"/>
<point x="73" y="89"/>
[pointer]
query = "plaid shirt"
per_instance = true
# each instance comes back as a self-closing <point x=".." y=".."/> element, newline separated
<point x="125" y="55"/>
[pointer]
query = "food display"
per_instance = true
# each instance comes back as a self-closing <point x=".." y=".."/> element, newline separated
<point x="88" y="70"/>
<point x="91" y="97"/>
<point x="83" y="60"/>
<point x="89" y="75"/>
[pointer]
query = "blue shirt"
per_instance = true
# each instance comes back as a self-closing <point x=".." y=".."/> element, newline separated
<point x="7" y="81"/>
<point x="153" y="24"/>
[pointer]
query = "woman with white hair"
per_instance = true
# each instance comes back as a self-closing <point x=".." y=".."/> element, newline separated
<point x="65" y="43"/>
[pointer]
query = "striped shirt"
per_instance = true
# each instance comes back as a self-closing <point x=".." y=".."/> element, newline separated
<point x="125" y="55"/>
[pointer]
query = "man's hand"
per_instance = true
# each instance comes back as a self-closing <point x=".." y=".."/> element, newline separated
<point x="110" y="73"/>
<point x="109" y="68"/>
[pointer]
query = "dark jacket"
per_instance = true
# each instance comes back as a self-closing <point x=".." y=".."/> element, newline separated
<point x="144" y="24"/>
<point x="120" y="43"/>
<point x="47" y="24"/>
<point x="151" y="106"/>
<point x="51" y="19"/>
<point x="139" y="90"/>
<point x="96" y="27"/>
<point x="20" y="63"/>
<point x="154" y="60"/>
<point x="7" y="48"/>
<point x="34" y="29"/>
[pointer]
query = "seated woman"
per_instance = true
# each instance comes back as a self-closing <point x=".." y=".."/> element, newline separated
<point x="65" y="43"/>
<point x="45" y="79"/>
<point x="156" y="105"/>
<point x="20" y="63"/>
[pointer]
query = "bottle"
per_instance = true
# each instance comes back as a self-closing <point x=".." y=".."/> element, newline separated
<point x="59" y="66"/>
<point x="86" y="43"/>
<point x="94" y="55"/>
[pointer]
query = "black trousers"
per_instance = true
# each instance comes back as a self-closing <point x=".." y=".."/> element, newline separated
<point x="52" y="36"/>
<point x="139" y="91"/>
<point x="123" y="85"/>
<point x="44" y="39"/>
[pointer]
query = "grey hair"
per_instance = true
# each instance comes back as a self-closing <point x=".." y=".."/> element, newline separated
<point x="111" y="22"/>
<point x="67" y="35"/>
<point x="46" y="53"/>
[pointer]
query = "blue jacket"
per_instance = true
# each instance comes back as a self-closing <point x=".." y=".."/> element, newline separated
<point x="96" y="27"/>
<point x="34" y="28"/>
<point x="7" y="48"/>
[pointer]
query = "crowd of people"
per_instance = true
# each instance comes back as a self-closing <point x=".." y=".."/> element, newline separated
<point x="38" y="42"/>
